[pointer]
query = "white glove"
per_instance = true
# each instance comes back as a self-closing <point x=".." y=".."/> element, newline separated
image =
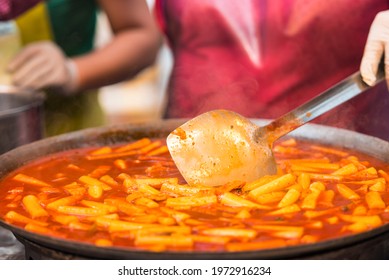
<point x="376" y="45"/>
<point x="43" y="65"/>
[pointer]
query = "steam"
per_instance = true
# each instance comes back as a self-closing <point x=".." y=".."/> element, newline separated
<point x="242" y="26"/>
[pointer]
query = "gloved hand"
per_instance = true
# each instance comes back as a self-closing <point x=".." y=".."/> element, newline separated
<point x="376" y="45"/>
<point x="43" y="65"/>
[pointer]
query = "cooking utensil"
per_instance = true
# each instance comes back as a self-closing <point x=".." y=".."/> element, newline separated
<point x="21" y="117"/>
<point x="221" y="146"/>
<point x="372" y="244"/>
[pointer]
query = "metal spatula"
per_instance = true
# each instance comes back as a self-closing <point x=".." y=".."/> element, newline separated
<point x="222" y="146"/>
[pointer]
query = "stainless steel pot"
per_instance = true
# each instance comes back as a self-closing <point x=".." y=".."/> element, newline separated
<point x="21" y="117"/>
<point x="373" y="244"/>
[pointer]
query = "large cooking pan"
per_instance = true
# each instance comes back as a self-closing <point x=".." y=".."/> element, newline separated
<point x="373" y="244"/>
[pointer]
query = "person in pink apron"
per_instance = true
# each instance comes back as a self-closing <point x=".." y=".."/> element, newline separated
<point x="263" y="58"/>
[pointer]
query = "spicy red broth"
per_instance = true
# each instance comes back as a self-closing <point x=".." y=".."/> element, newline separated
<point x="133" y="196"/>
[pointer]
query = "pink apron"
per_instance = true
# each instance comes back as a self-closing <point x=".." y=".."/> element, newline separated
<point x="263" y="58"/>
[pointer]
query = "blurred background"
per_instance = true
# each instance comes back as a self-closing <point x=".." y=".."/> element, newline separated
<point x="141" y="98"/>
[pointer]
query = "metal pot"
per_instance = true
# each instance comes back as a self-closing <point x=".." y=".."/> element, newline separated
<point x="372" y="244"/>
<point x="21" y="117"/>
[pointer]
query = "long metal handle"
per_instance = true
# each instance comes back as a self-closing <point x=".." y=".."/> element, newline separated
<point x="338" y="94"/>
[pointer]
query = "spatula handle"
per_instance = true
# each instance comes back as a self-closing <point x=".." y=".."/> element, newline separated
<point x="329" y="99"/>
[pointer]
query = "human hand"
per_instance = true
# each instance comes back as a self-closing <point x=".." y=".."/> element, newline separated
<point x="43" y="65"/>
<point x="376" y="45"/>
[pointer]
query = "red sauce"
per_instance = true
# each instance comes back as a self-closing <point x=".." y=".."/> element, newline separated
<point x="150" y="218"/>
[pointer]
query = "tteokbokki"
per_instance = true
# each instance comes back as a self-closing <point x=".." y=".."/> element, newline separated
<point x="132" y="196"/>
